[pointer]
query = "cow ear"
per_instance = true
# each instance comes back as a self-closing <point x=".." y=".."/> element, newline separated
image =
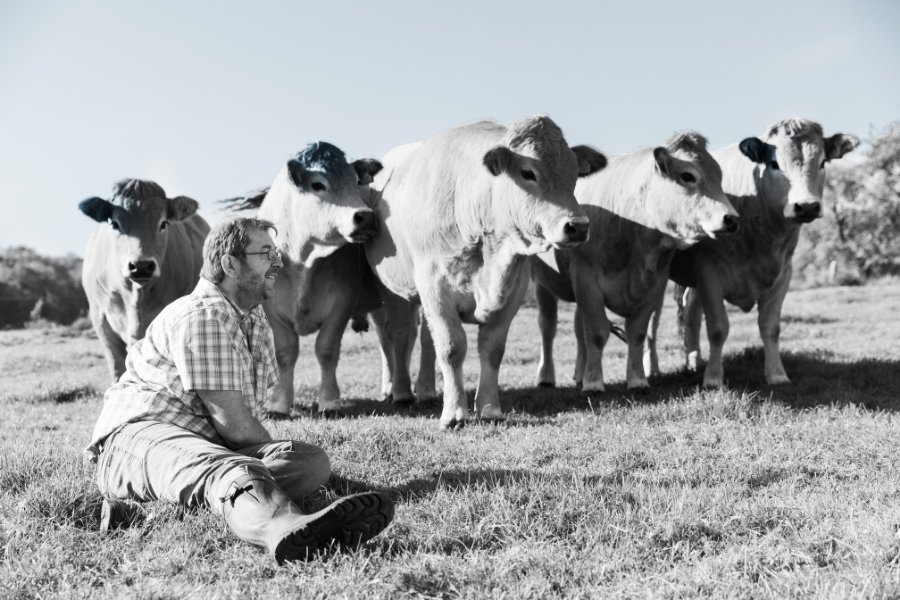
<point x="755" y="149"/>
<point x="840" y="144"/>
<point x="497" y="160"/>
<point x="589" y="160"/>
<point x="297" y="173"/>
<point x="181" y="207"/>
<point x="96" y="208"/>
<point x="366" y="169"/>
<point x="663" y="159"/>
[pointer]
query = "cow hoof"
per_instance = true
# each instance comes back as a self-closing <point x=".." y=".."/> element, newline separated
<point x="331" y="413"/>
<point x="639" y="386"/>
<point x="452" y="424"/>
<point x="546" y="384"/>
<point x="387" y="397"/>
<point x="779" y="380"/>
<point x="274" y="415"/>
<point x="403" y="402"/>
<point x="713" y="384"/>
<point x="491" y="412"/>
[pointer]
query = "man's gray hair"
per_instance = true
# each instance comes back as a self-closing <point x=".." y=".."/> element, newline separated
<point x="231" y="236"/>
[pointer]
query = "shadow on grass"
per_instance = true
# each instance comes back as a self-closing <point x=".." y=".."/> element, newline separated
<point x="818" y="380"/>
<point x="611" y="484"/>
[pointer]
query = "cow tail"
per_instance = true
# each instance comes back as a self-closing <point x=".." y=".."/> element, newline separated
<point x="251" y="201"/>
<point x="678" y="294"/>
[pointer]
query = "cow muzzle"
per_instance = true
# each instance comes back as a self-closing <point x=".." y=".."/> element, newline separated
<point x="574" y="232"/>
<point x="729" y="224"/>
<point x="365" y="225"/>
<point x="142" y="271"/>
<point x="805" y="212"/>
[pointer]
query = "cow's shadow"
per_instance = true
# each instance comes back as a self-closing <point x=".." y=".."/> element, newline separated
<point x="818" y="379"/>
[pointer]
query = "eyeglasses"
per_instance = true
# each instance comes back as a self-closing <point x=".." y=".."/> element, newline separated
<point x="272" y="255"/>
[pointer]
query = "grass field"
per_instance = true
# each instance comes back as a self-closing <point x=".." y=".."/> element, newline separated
<point x="752" y="491"/>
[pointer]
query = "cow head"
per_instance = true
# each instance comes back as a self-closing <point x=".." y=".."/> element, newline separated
<point x="535" y="171"/>
<point x="791" y="158"/>
<point x="688" y="182"/>
<point x="136" y="221"/>
<point x="320" y="192"/>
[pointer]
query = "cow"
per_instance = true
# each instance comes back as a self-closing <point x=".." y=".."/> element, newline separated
<point x="775" y="192"/>
<point x="145" y="252"/>
<point x="459" y="214"/>
<point x="642" y="207"/>
<point x="317" y="208"/>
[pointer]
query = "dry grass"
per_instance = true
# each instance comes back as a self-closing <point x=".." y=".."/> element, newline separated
<point x="748" y="492"/>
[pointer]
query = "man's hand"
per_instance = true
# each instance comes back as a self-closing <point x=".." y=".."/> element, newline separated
<point x="232" y="419"/>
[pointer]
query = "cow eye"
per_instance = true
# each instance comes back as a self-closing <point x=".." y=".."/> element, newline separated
<point x="688" y="177"/>
<point x="163" y="225"/>
<point x="528" y="175"/>
<point x="774" y="165"/>
<point x="822" y="166"/>
<point x="114" y="224"/>
<point x="317" y="186"/>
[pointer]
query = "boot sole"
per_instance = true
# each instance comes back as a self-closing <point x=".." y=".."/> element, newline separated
<point x="348" y="522"/>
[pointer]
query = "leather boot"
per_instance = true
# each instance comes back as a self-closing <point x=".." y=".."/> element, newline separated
<point x="259" y="512"/>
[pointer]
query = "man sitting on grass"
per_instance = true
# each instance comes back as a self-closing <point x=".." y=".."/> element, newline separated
<point x="182" y="423"/>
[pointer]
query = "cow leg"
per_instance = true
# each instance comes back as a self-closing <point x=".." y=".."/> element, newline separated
<point x="450" y="347"/>
<point x="596" y="328"/>
<point x="769" y="321"/>
<point x="636" y="335"/>
<point x="400" y="326"/>
<point x="716" y="332"/>
<point x="114" y="348"/>
<point x="690" y="319"/>
<point x="548" y="311"/>
<point x="328" y="353"/>
<point x="426" y="389"/>
<point x="578" y="374"/>
<point x="287" y="348"/>
<point x="492" y="336"/>
<point x="379" y="319"/>
<point x="651" y="356"/>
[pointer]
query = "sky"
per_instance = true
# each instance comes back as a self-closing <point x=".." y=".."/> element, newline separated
<point x="209" y="99"/>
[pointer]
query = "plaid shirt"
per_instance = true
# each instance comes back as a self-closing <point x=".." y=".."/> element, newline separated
<point x="199" y="342"/>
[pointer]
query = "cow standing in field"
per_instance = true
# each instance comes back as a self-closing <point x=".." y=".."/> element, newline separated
<point x="145" y="253"/>
<point x="458" y="216"/>
<point x="316" y="206"/>
<point x="775" y="192"/>
<point x="642" y="207"/>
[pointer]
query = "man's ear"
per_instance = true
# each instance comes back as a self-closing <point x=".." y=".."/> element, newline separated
<point x="228" y="263"/>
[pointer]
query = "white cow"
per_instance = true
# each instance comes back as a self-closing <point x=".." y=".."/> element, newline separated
<point x="146" y="251"/>
<point x="458" y="216"/>
<point x="316" y="206"/>
<point x="642" y="206"/>
<point x="776" y="191"/>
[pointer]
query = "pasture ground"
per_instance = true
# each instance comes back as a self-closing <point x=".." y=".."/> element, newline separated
<point x="750" y="491"/>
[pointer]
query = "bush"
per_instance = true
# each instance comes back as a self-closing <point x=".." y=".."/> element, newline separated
<point x="35" y="287"/>
<point x="858" y="237"/>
